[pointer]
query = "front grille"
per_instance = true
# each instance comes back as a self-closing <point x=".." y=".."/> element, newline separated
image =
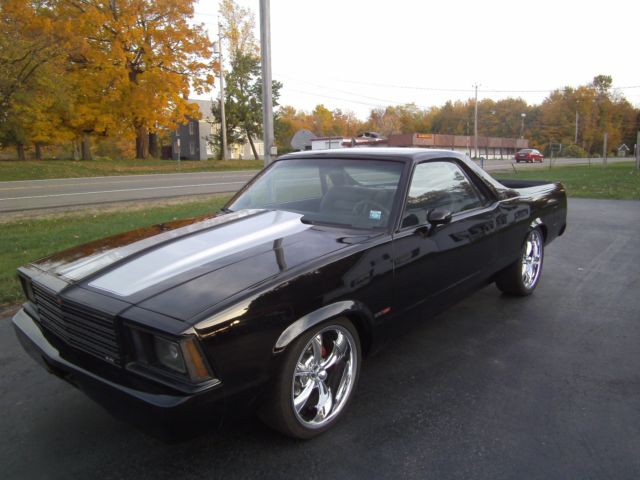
<point x="80" y="327"/>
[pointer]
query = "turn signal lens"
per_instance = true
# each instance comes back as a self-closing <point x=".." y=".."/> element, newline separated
<point x="196" y="365"/>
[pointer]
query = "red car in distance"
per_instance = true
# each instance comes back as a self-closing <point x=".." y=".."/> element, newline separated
<point x="529" y="155"/>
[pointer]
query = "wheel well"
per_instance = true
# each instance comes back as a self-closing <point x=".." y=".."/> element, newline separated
<point x="543" y="229"/>
<point x="360" y="320"/>
<point x="364" y="330"/>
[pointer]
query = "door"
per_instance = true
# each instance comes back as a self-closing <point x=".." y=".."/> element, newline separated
<point x="438" y="263"/>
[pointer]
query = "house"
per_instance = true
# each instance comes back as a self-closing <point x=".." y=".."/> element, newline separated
<point x="488" y="147"/>
<point x="623" y="150"/>
<point x="191" y="140"/>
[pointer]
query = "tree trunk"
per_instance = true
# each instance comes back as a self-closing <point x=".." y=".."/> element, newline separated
<point x="86" y="146"/>
<point x="142" y="143"/>
<point x="38" y="151"/>
<point x="253" y="147"/>
<point x="154" y="147"/>
<point x="20" y="150"/>
<point x="76" y="150"/>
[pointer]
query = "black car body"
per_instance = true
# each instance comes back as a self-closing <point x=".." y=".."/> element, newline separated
<point x="180" y="320"/>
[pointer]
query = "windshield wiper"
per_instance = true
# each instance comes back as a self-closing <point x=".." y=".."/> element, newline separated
<point x="226" y="210"/>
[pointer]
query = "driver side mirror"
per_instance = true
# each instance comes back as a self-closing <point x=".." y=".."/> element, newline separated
<point x="439" y="216"/>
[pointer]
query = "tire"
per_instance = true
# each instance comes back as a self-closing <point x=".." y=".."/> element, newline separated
<point x="309" y="397"/>
<point x="522" y="276"/>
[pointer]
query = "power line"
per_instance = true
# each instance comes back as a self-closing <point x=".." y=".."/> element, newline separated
<point x="315" y="94"/>
<point x="386" y="100"/>
<point x="460" y="90"/>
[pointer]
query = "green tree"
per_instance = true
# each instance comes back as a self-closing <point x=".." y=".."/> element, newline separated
<point x="243" y="101"/>
<point x="243" y="83"/>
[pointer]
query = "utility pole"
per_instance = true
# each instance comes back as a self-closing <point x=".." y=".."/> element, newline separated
<point x="223" y="122"/>
<point x="267" y="97"/>
<point x="475" y="127"/>
<point x="575" y="142"/>
<point x="605" y="150"/>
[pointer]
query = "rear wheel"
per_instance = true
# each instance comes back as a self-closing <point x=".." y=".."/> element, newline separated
<point x="522" y="276"/>
<point x="317" y="380"/>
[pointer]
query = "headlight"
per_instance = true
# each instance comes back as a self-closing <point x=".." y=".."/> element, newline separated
<point x="178" y="356"/>
<point x="169" y="354"/>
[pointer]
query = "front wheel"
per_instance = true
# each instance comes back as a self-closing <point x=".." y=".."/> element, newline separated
<point x="317" y="380"/>
<point x="522" y="276"/>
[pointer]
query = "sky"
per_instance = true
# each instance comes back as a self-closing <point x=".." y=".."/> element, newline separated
<point x="356" y="55"/>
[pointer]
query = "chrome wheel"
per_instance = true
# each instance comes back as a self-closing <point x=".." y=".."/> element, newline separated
<point x="324" y="376"/>
<point x="532" y="259"/>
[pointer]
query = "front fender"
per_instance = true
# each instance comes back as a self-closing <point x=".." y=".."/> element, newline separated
<point x="346" y="308"/>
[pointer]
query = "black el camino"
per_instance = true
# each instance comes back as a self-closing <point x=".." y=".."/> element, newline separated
<point x="275" y="301"/>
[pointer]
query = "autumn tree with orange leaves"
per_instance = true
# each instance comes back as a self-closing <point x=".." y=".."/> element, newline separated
<point x="135" y="63"/>
<point x="123" y="67"/>
<point x="32" y="53"/>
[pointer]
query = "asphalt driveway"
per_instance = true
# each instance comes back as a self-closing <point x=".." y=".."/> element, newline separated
<point x="543" y="387"/>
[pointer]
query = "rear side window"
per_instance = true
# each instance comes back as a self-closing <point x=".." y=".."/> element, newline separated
<point x="438" y="185"/>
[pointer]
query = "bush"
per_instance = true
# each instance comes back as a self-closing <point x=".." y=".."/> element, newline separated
<point x="574" y="151"/>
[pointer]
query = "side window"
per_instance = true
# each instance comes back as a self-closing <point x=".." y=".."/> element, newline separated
<point x="438" y="185"/>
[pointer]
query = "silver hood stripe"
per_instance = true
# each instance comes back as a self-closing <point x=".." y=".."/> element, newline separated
<point x="185" y="254"/>
<point x="85" y="266"/>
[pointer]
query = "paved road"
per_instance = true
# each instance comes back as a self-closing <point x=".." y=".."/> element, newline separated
<point x="546" y="387"/>
<point x="44" y="194"/>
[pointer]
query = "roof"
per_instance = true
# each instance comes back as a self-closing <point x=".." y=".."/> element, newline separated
<point x="205" y="108"/>
<point x="373" y="153"/>
<point x="406" y="155"/>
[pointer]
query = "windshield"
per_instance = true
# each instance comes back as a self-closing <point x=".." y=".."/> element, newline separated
<point x="351" y="193"/>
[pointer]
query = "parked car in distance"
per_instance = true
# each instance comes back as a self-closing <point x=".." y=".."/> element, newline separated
<point x="273" y="303"/>
<point x="529" y="155"/>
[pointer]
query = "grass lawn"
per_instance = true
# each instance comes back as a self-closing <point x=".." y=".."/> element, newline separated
<point x="27" y="240"/>
<point x="38" y="170"/>
<point x="620" y="181"/>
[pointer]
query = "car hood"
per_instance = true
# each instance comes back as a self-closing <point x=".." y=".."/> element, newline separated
<point x="182" y="268"/>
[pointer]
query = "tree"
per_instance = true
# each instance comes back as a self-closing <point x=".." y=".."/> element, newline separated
<point x="243" y="101"/>
<point x="243" y="83"/>
<point x="134" y="65"/>
<point x="454" y="118"/>
<point x="31" y="54"/>
<point x="599" y="110"/>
